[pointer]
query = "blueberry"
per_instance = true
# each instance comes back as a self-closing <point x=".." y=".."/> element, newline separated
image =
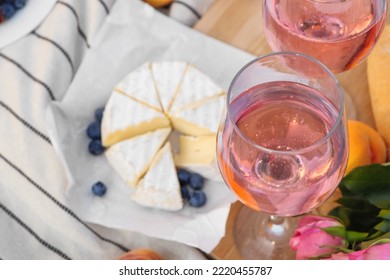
<point x="99" y="114"/>
<point x="197" y="199"/>
<point x="99" y="189"/>
<point x="184" y="177"/>
<point x="185" y="193"/>
<point x="18" y="4"/>
<point x="95" y="147"/>
<point x="93" y="130"/>
<point x="196" y="181"/>
<point x="7" y="10"/>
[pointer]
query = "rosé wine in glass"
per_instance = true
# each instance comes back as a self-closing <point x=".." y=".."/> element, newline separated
<point x="282" y="147"/>
<point x="339" y="33"/>
<point x="285" y="117"/>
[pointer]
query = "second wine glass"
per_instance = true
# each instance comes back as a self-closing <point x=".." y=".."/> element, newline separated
<point x="282" y="147"/>
<point x="339" y="33"/>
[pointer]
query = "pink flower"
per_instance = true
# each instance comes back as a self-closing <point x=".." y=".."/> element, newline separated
<point x="376" y="252"/>
<point x="310" y="241"/>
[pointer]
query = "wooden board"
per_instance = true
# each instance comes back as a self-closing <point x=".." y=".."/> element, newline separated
<point x="239" y="23"/>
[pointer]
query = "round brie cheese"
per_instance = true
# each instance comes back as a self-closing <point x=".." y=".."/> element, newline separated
<point x="143" y="106"/>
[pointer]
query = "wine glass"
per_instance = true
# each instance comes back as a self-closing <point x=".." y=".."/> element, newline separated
<point x="282" y="147"/>
<point x="339" y="33"/>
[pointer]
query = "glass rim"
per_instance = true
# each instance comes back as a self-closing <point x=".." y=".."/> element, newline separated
<point x="297" y="151"/>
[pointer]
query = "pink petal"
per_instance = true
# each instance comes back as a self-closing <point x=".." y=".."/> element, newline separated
<point x="378" y="252"/>
<point x="316" y="244"/>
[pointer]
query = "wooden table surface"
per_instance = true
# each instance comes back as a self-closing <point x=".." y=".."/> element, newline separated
<point x="239" y="23"/>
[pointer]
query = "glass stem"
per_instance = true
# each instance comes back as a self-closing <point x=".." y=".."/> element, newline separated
<point x="277" y="229"/>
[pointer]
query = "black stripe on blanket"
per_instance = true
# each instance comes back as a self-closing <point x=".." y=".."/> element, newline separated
<point x="67" y="56"/>
<point x="192" y="9"/>
<point x="49" y="91"/>
<point x="104" y="6"/>
<point x="25" y="123"/>
<point x="63" y="207"/>
<point x="33" y="233"/>
<point x="81" y="32"/>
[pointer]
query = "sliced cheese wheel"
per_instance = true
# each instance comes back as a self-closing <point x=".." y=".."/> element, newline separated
<point x="160" y="188"/>
<point x="125" y="118"/>
<point x="150" y="100"/>
<point x="132" y="157"/>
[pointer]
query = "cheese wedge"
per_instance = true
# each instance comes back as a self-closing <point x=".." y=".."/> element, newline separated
<point x="201" y="120"/>
<point x="139" y="86"/>
<point x="195" y="87"/>
<point x="167" y="76"/>
<point x="131" y="158"/>
<point x="160" y="188"/>
<point x="125" y="118"/>
<point x="198" y="154"/>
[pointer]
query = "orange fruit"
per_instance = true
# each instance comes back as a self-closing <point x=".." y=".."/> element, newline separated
<point x="140" y="254"/>
<point x="158" y="3"/>
<point x="366" y="145"/>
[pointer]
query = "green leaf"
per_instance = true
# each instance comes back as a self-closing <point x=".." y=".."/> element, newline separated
<point x="358" y="203"/>
<point x="384" y="214"/>
<point x="335" y="231"/>
<point x="381" y="241"/>
<point x="383" y="226"/>
<point x="354" y="236"/>
<point x="383" y="237"/>
<point x="356" y="220"/>
<point x="350" y="236"/>
<point x="370" y="182"/>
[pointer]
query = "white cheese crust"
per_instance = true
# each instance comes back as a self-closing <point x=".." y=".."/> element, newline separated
<point x="125" y="118"/>
<point x="139" y="85"/>
<point x="131" y="158"/>
<point x="201" y="120"/>
<point x="168" y="77"/>
<point x="160" y="188"/>
<point x="195" y="87"/>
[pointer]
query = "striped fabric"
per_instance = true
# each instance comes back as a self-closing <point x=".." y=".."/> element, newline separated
<point x="35" y="219"/>
<point x="189" y="12"/>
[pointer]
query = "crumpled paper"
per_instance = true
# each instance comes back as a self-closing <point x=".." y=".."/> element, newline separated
<point x="133" y="34"/>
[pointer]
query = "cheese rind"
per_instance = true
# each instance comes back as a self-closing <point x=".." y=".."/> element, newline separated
<point x="124" y="118"/>
<point x="132" y="157"/>
<point x="160" y="188"/>
<point x="139" y="85"/>
<point x="167" y="76"/>
<point x="201" y="120"/>
<point x="195" y="87"/>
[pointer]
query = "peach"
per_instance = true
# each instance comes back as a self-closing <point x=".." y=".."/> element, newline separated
<point x="158" y="3"/>
<point x="140" y="254"/>
<point x="366" y="145"/>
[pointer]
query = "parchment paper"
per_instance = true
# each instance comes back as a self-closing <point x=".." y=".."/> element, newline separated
<point x="133" y="34"/>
